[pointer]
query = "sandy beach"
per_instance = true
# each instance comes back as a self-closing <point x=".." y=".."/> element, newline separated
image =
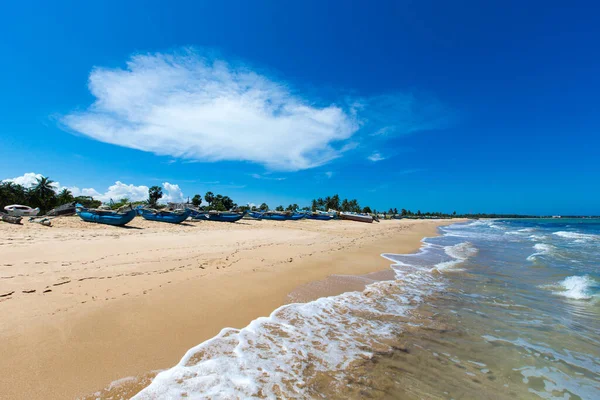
<point x="84" y="305"/>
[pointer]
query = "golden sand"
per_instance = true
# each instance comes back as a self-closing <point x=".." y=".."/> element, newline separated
<point x="84" y="305"/>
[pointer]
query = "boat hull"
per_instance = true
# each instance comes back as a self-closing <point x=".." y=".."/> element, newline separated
<point x="255" y="215"/>
<point x="277" y="216"/>
<point x="164" y="216"/>
<point x="15" y="212"/>
<point x="107" y="218"/>
<point x="355" y="217"/>
<point x="320" y="217"/>
<point x="218" y="217"/>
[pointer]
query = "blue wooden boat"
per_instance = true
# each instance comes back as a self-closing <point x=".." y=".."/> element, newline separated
<point x="320" y="217"/>
<point x="277" y="216"/>
<point x="256" y="214"/>
<point x="297" y="216"/>
<point x="171" y="217"/>
<point x="105" y="216"/>
<point x="219" y="216"/>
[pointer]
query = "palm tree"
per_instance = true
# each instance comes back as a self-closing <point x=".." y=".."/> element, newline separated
<point x="44" y="193"/>
<point x="209" y="197"/>
<point x="65" y="196"/>
<point x="154" y="194"/>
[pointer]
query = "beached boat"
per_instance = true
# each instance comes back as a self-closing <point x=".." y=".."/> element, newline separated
<point x="10" y="218"/>
<point x="282" y="216"/>
<point x="356" y="217"/>
<point x="106" y="217"/>
<point x="219" y="216"/>
<point x="18" y="210"/>
<point x="171" y="217"/>
<point x="255" y="214"/>
<point x="65" y="209"/>
<point x="277" y="215"/>
<point x="321" y="216"/>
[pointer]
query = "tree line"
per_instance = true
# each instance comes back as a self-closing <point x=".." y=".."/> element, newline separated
<point x="42" y="194"/>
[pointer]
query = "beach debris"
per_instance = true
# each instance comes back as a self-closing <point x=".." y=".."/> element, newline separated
<point x="10" y="219"/>
<point x="29" y="291"/>
<point x="6" y="294"/>
<point x="46" y="221"/>
<point x="47" y="290"/>
<point x="60" y="283"/>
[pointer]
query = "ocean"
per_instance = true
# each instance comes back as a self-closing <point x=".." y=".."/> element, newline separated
<point x="494" y="309"/>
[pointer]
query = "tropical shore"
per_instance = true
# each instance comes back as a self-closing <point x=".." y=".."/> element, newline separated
<point x="84" y="305"/>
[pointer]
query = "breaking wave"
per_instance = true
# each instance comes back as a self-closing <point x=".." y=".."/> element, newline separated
<point x="579" y="237"/>
<point x="542" y="249"/>
<point x="280" y="355"/>
<point x="574" y="287"/>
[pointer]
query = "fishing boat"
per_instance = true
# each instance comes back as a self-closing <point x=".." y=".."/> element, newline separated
<point x="321" y="216"/>
<point x="255" y="214"/>
<point x="356" y="217"/>
<point x="219" y="216"/>
<point x="65" y="209"/>
<point x="10" y="218"/>
<point x="171" y="217"/>
<point x="116" y="218"/>
<point x="18" y="210"/>
<point x="281" y="215"/>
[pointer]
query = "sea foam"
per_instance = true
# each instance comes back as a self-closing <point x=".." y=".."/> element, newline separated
<point x="459" y="252"/>
<point x="280" y="355"/>
<point x="574" y="287"/>
<point x="579" y="237"/>
<point x="542" y="249"/>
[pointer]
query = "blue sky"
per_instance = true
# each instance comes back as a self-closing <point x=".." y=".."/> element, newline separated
<point x="425" y="105"/>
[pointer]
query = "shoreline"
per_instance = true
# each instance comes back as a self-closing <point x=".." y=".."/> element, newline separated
<point x="164" y="290"/>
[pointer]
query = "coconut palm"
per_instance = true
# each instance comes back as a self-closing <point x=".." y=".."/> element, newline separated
<point x="44" y="194"/>
<point x="65" y="196"/>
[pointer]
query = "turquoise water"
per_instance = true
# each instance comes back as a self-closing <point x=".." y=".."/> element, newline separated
<point x="527" y="297"/>
<point x="489" y="309"/>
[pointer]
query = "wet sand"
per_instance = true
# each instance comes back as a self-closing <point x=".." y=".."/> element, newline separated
<point x="84" y="305"/>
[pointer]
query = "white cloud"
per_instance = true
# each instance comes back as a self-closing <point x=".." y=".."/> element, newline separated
<point x="328" y="174"/>
<point x="188" y="106"/>
<point x="376" y="157"/>
<point x="172" y="193"/>
<point x="386" y="130"/>
<point x="29" y="179"/>
<point x="269" y="178"/>
<point x="115" y="192"/>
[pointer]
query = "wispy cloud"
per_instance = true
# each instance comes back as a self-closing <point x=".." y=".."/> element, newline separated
<point x="397" y="114"/>
<point x="375" y="157"/>
<point x="196" y="108"/>
<point x="269" y="178"/>
<point x="329" y="174"/>
<point x="190" y="106"/>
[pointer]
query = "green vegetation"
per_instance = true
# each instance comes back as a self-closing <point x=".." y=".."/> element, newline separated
<point x="42" y="194"/>
<point x="154" y="194"/>
<point x="334" y="203"/>
<point x="197" y="200"/>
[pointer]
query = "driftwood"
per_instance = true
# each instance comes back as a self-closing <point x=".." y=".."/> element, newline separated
<point x="10" y="219"/>
<point x="42" y="221"/>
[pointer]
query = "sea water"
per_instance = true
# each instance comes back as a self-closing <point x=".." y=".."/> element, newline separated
<point x="495" y="309"/>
